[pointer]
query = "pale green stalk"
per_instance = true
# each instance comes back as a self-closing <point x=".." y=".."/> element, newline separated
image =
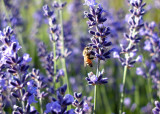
<point x="124" y="80"/>
<point x="41" y="106"/>
<point x="95" y="88"/>
<point x="62" y="50"/>
<point x="55" y="61"/>
<point x="122" y="93"/>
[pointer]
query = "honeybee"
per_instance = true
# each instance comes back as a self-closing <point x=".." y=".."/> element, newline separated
<point x="87" y="56"/>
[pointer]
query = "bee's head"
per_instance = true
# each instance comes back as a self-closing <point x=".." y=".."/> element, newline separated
<point x="88" y="48"/>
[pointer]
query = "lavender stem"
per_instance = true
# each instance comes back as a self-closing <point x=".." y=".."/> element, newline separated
<point x="40" y="101"/>
<point x="122" y="93"/>
<point x="62" y="50"/>
<point x="95" y="88"/>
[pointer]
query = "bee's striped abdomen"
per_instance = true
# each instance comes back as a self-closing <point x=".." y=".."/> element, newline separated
<point x="88" y="61"/>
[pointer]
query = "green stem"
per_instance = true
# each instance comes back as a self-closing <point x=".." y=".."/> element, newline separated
<point x="122" y="93"/>
<point x="62" y="50"/>
<point x="95" y="88"/>
<point x="150" y="90"/>
<point x="41" y="106"/>
<point x="22" y="102"/>
<point x="95" y="95"/>
<point x="55" y="61"/>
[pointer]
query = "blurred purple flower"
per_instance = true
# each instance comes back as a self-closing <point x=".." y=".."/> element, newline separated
<point x="53" y="106"/>
<point x="85" y="107"/>
<point x="139" y="58"/>
<point x="139" y="71"/>
<point x="115" y="55"/>
<point x="156" y="110"/>
<point x="147" y="45"/>
<point x="26" y="58"/>
<point x="68" y="99"/>
<point x="127" y="102"/>
<point x="90" y="2"/>
<point x="92" y="77"/>
<point x="31" y="88"/>
<point x="31" y="99"/>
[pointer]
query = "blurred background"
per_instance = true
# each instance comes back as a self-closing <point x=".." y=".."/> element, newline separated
<point x="26" y="17"/>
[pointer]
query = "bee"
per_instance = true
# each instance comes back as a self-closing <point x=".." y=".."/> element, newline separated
<point x="87" y="56"/>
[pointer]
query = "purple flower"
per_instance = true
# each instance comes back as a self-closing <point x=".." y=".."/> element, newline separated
<point x="26" y="58"/>
<point x="135" y="1"/>
<point x="115" y="55"/>
<point x="31" y="88"/>
<point x="132" y="54"/>
<point x="47" y="11"/>
<point x="31" y="99"/>
<point x="53" y="106"/>
<point x="127" y="102"/>
<point x="32" y="109"/>
<point x="3" y="84"/>
<point x="139" y="71"/>
<point x="93" y="79"/>
<point x="133" y="37"/>
<point x="139" y="58"/>
<point x="68" y="99"/>
<point x="147" y="45"/>
<point x="33" y="91"/>
<point x="10" y="50"/>
<point x="85" y="107"/>
<point x="90" y="3"/>
<point x="156" y="110"/>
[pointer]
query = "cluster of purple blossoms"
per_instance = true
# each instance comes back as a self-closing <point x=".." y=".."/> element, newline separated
<point x="133" y="38"/>
<point x="152" y="42"/>
<point x="46" y="59"/>
<point x="59" y="105"/>
<point x="94" y="80"/>
<point x="54" y="28"/>
<point x="49" y="58"/>
<point x="156" y="110"/>
<point x="14" y="71"/>
<point x="99" y="33"/>
<point x="37" y="84"/>
<point x="152" y="45"/>
<point x="14" y="18"/>
<point x="81" y="105"/>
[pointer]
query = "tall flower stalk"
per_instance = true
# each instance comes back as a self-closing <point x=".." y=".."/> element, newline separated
<point x="62" y="50"/>
<point x="95" y="87"/>
<point x="133" y="38"/>
<point x="99" y="47"/>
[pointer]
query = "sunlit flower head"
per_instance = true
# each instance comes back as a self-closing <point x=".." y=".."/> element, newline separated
<point x="90" y="2"/>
